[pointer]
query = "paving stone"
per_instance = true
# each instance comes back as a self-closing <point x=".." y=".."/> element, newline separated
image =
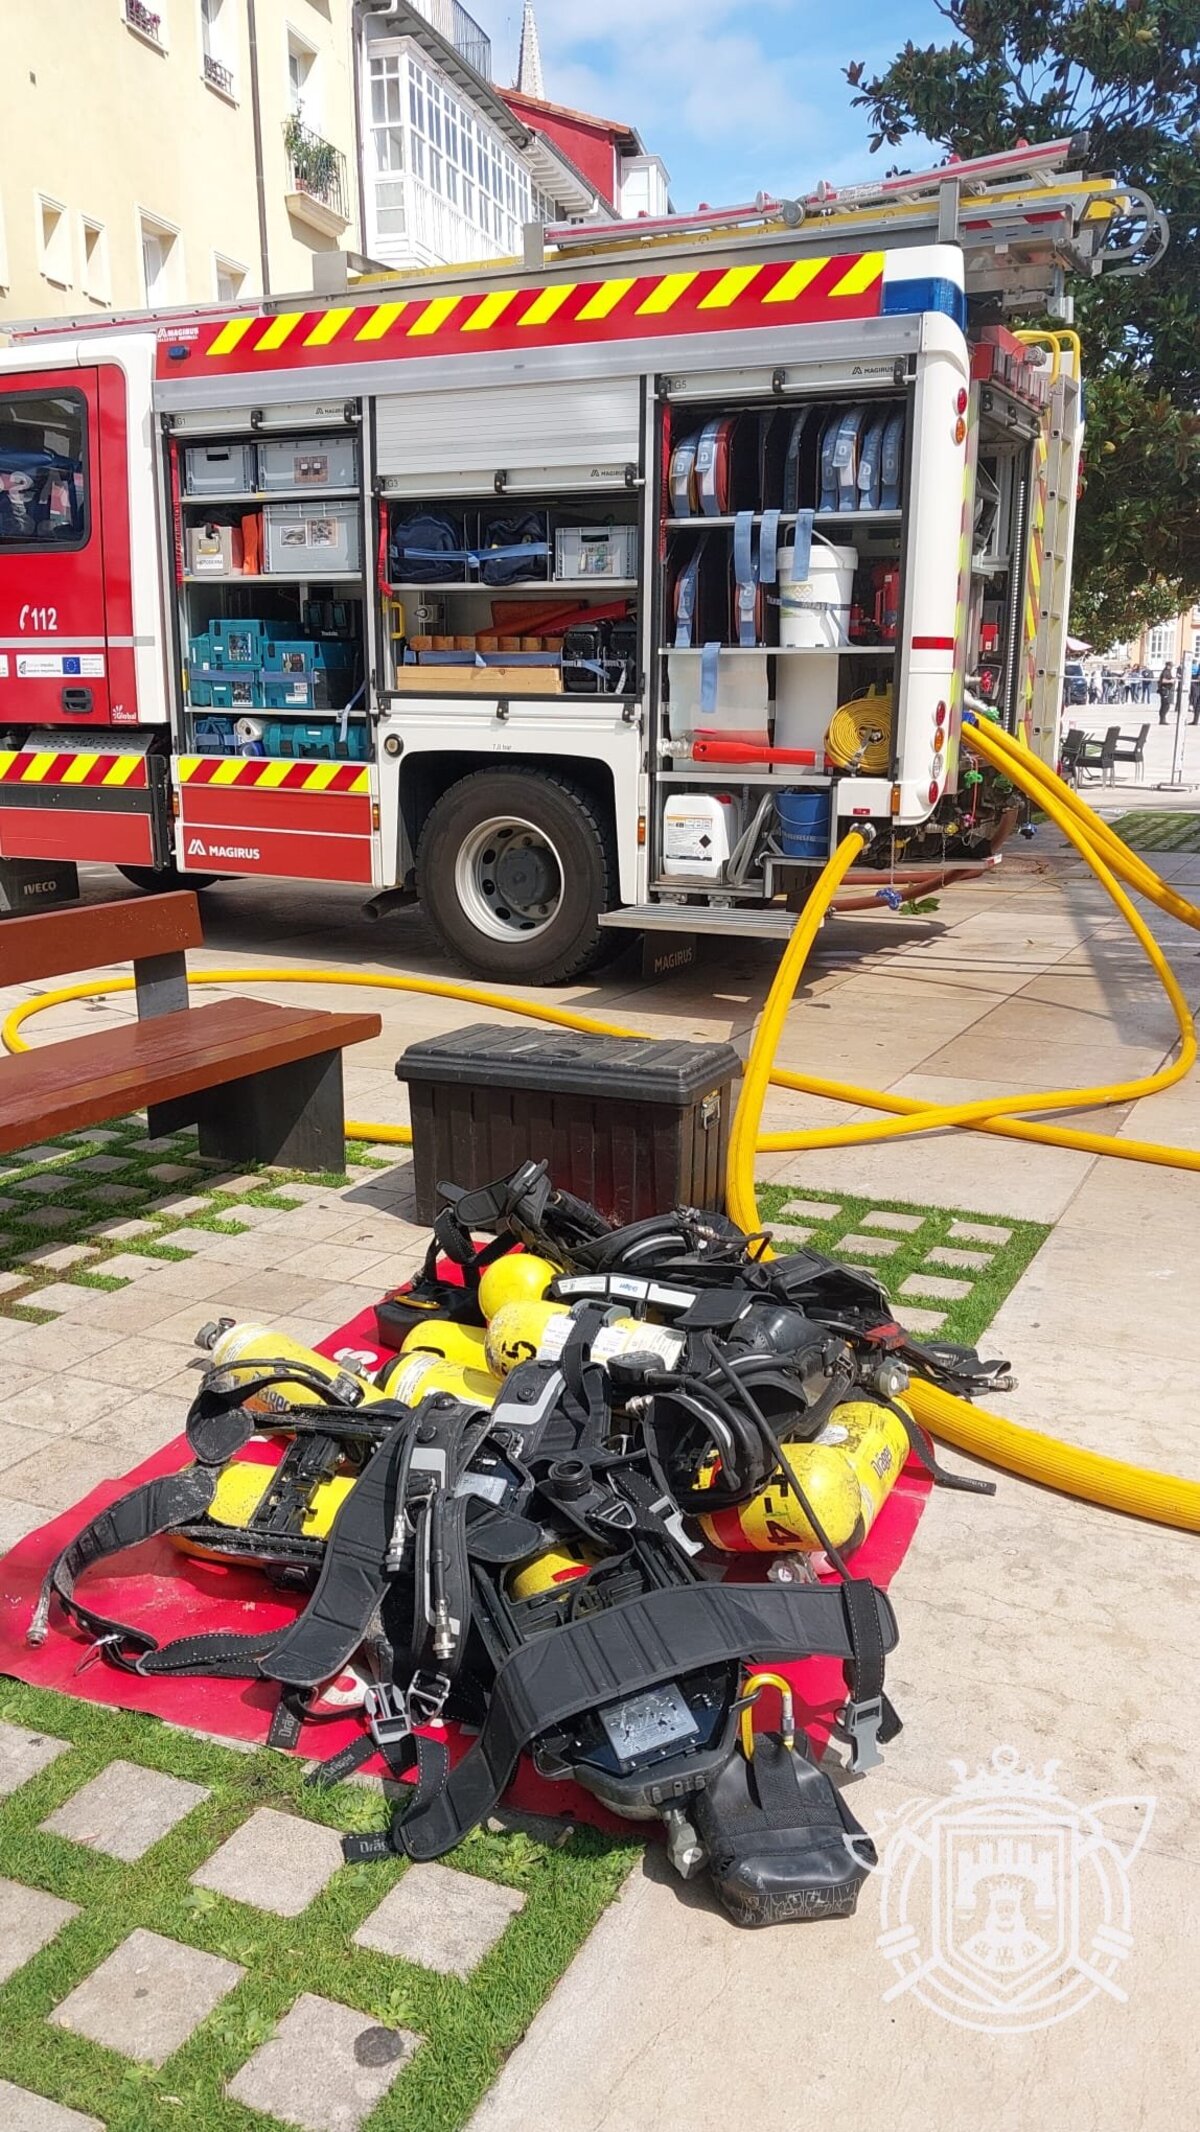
<point x="249" y="1217"/>
<point x="59" y="1402"/>
<point x="977" y="1232"/>
<point x="25" y="1754"/>
<point x="58" y="1258"/>
<point x="22" y="1157"/>
<point x="793" y="1232"/>
<point x="938" y="1291"/>
<point x="56" y="1347"/>
<point x="101" y="1165"/>
<point x="124" y="1810"/>
<point x="29" y="1920"/>
<point x="57" y="1181"/>
<point x="122" y="1232"/>
<point x="274" y="1861"/>
<point x="148" y="1997"/>
<point x="165" y="1144"/>
<point x="903" y="1224"/>
<point x="21" y="2111"/>
<point x="170" y="1172"/>
<point x="235" y="1185"/>
<point x="114" y="1195"/>
<point x="440" y="1919"/>
<point x="126" y="1266"/>
<point x="10" y="1281"/>
<point x="922" y="1321"/>
<point x="865" y="1246"/>
<point x="325" y="2068"/>
<point x="179" y="1206"/>
<point x="12" y="1206"/>
<point x="186" y="1239"/>
<point x="61" y="1295"/>
<point x="17" y="1519"/>
<point x="50" y="1218"/>
<point x="970" y="1261"/>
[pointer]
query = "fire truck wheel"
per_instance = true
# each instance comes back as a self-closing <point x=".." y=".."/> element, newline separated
<point x="514" y="868"/>
<point x="158" y="881"/>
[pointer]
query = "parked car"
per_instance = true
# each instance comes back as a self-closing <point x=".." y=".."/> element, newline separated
<point x="1075" y="688"/>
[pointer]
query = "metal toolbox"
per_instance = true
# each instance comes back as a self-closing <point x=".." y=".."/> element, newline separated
<point x="599" y="552"/>
<point x="219" y="469"/>
<point x="302" y="540"/>
<point x="308" y="463"/>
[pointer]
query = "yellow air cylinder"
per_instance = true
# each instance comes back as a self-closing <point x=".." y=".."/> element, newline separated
<point x="847" y="1474"/>
<point x="411" y="1378"/>
<point x="463" y="1344"/>
<point x="243" y="1350"/>
<point x="518" y="1277"/>
<point x="544" y="1572"/>
<point x="516" y="1333"/>
<point x="241" y="1486"/>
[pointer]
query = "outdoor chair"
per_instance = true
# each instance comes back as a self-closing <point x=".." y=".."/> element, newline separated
<point x="1097" y="766"/>
<point x="1133" y="751"/>
<point x="1075" y="740"/>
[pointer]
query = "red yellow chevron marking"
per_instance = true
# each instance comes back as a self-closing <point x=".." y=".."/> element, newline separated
<point x="701" y="299"/>
<point x="50" y="766"/>
<point x="270" y="775"/>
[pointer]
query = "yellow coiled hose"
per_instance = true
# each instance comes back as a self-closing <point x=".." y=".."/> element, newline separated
<point x="1026" y="1452"/>
<point x="860" y="734"/>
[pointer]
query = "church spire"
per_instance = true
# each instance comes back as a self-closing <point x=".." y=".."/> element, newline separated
<point x="529" y="62"/>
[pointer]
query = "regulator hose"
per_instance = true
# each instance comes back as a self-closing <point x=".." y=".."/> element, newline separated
<point x="1026" y="1452"/>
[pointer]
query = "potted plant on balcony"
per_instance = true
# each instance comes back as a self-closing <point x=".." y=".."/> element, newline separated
<point x="314" y="161"/>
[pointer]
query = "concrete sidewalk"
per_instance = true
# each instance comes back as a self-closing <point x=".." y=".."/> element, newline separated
<point x="1028" y="1619"/>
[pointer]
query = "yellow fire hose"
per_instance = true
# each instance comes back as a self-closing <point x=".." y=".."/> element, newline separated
<point x="1026" y="1452"/>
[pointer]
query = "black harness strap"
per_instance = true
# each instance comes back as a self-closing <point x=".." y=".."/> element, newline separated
<point x="609" y="1656"/>
<point x="352" y="1582"/>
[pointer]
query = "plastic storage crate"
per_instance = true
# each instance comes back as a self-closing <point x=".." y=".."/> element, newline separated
<point x="598" y="552"/>
<point x="219" y="469"/>
<point x="302" y="540"/>
<point x="308" y="463"/>
<point x="631" y="1124"/>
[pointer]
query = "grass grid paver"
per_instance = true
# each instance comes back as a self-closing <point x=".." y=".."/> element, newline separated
<point x="274" y="1861"/>
<point x="125" y="1810"/>
<point x="325" y="2067"/>
<point x="440" y="1919"/>
<point x="148" y="1997"/>
<point x="22" y="2112"/>
<point x="459" y="2031"/>
<point x="29" y="1919"/>
<point x="1164" y="830"/>
<point x="24" y="1754"/>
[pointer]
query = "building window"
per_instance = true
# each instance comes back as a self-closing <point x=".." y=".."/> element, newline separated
<point x="147" y="21"/>
<point x="231" y="279"/>
<point x="1161" y="644"/>
<point x="43" y="461"/>
<point x="302" y="76"/>
<point x="54" y="242"/>
<point x="216" y="42"/>
<point x="387" y="135"/>
<point x="160" y="261"/>
<point x="97" y="281"/>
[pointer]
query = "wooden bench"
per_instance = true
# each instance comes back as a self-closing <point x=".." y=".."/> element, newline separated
<point x="262" y="1083"/>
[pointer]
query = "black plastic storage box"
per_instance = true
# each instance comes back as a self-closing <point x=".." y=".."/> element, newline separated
<point x="632" y="1124"/>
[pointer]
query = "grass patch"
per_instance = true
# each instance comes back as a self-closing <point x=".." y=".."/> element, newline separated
<point x="468" y="2028"/>
<point x="1165" y="830"/>
<point x="964" y="1318"/>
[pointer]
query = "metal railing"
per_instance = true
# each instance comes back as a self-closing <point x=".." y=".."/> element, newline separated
<point x="469" y="38"/>
<point x="144" y="19"/>
<point x="318" y="168"/>
<point x="220" y="76"/>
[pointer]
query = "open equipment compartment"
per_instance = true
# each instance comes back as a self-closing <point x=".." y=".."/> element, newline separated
<point x="782" y="528"/>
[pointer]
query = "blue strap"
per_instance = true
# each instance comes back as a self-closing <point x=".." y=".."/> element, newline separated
<point x="685" y="608"/>
<point x="890" y="463"/>
<point x="745" y="575"/>
<point x="710" y="668"/>
<point x="802" y="546"/>
<point x="768" y="548"/>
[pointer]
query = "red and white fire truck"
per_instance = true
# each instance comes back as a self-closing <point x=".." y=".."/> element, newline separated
<point x="592" y="592"/>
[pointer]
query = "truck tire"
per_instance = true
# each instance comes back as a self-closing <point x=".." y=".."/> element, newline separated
<point x="161" y="880"/>
<point x="513" y="869"/>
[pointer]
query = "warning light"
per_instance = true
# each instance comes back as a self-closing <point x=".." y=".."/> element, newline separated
<point x="960" y="430"/>
<point x="933" y="792"/>
<point x="961" y="402"/>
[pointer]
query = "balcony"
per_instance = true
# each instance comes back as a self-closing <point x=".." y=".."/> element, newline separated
<point x="219" y="77"/>
<point x="460" y="29"/>
<point x="318" y="192"/>
<point x="144" y="21"/>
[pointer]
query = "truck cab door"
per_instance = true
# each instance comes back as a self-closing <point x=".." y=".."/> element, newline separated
<point x="55" y="666"/>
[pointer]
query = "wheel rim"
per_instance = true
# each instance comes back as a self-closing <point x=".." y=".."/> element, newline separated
<point x="508" y="878"/>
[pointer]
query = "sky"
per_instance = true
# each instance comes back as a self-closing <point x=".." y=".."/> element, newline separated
<point x="737" y="99"/>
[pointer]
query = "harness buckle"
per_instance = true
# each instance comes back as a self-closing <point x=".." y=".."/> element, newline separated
<point x="426" y="1698"/>
<point x="861" y="1723"/>
<point x="387" y="1716"/>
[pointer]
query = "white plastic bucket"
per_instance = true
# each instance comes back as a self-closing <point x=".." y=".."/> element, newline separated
<point x="814" y="611"/>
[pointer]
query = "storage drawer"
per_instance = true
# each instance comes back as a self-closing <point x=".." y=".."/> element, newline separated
<point x="308" y="463"/>
<point x="302" y="541"/>
<point x="219" y="469"/>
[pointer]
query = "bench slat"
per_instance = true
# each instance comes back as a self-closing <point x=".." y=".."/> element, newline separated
<point x="52" y="943"/>
<point x="88" y="1079"/>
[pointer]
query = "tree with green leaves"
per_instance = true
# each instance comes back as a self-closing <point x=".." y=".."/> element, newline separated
<point x="1127" y="74"/>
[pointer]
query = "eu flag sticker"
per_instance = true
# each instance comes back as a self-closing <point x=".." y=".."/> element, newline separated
<point x="71" y="664"/>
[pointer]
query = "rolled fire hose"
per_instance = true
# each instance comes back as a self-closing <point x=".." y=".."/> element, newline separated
<point x="1026" y="1452"/>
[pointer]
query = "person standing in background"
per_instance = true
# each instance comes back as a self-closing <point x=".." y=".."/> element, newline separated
<point x="1194" y="695"/>
<point x="1166" y="692"/>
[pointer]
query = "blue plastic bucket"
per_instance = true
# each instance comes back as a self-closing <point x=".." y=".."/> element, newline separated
<point x="804" y="825"/>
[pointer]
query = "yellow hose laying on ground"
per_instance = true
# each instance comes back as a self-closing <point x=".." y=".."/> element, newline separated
<point x="1163" y="1498"/>
<point x="1106" y="1481"/>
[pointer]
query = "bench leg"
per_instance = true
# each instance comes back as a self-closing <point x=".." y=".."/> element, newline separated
<point x="292" y="1115"/>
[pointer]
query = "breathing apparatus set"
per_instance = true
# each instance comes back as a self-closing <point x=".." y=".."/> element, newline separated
<point x="523" y="1520"/>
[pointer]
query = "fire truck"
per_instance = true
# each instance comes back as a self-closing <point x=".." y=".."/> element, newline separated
<point x="589" y="593"/>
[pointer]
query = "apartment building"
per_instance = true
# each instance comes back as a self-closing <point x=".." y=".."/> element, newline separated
<point x="159" y="152"/>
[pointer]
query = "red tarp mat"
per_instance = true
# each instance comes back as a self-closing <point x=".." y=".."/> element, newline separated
<point x="171" y="1594"/>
